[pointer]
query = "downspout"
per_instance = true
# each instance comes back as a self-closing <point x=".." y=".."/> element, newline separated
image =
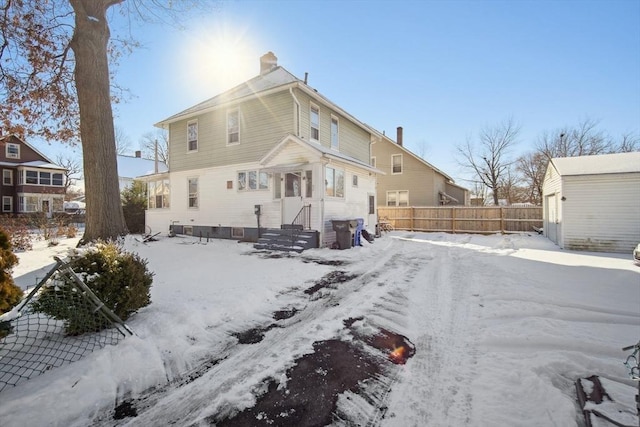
<point x="297" y="113"/>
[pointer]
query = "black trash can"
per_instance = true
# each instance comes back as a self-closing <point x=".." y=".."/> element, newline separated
<point x="343" y="233"/>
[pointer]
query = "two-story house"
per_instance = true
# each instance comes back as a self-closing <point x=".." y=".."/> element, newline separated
<point x="410" y="180"/>
<point x="30" y="181"/>
<point x="271" y="151"/>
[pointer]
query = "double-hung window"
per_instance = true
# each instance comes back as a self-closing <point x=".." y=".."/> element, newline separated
<point x="233" y="127"/>
<point x="334" y="185"/>
<point x="31" y="177"/>
<point x="7" y="204"/>
<point x="193" y="192"/>
<point x="253" y="180"/>
<point x="335" y="141"/>
<point x="7" y="177"/>
<point x="192" y="136"/>
<point x="396" y="164"/>
<point x="12" y="151"/>
<point x="314" y="120"/>
<point x="398" y="198"/>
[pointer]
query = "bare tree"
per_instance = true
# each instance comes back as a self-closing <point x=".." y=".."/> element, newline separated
<point x="155" y="142"/>
<point x="532" y="167"/>
<point x="583" y="140"/>
<point x="123" y="142"/>
<point x="73" y="170"/>
<point x="628" y="143"/>
<point x="489" y="158"/>
<point x="55" y="82"/>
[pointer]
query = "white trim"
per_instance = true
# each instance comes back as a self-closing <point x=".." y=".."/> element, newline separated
<point x="12" y="156"/>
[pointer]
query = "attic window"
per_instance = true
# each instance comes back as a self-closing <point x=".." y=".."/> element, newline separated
<point x="12" y="151"/>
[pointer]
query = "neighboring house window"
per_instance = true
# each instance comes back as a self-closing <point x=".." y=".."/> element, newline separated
<point x="253" y="180"/>
<point x="373" y="161"/>
<point x="39" y="178"/>
<point x="335" y="182"/>
<point x="193" y="192"/>
<point x="7" y="204"/>
<point x="45" y="178"/>
<point x="192" y="136"/>
<point x="233" y="127"/>
<point x="158" y="194"/>
<point x="7" y="177"/>
<point x="12" y="151"/>
<point x="354" y="180"/>
<point x="398" y="198"/>
<point x="334" y="133"/>
<point x="57" y="179"/>
<point x="27" y="204"/>
<point x="31" y="177"/>
<point x="314" y="119"/>
<point x="396" y="163"/>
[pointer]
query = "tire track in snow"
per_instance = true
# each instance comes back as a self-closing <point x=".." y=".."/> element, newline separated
<point x="237" y="374"/>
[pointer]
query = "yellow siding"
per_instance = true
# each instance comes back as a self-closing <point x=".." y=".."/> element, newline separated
<point x="354" y="141"/>
<point x="422" y="182"/>
<point x="263" y="123"/>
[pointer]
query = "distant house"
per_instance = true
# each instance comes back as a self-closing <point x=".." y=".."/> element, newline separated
<point x="133" y="167"/>
<point x="410" y="180"/>
<point x="31" y="182"/>
<point x="271" y="151"/>
<point x="592" y="203"/>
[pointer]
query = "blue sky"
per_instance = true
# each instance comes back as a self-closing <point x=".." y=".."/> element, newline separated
<point x="440" y="69"/>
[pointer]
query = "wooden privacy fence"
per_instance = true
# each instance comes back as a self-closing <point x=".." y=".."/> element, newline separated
<point x="458" y="219"/>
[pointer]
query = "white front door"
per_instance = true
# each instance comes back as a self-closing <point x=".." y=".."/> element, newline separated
<point x="292" y="201"/>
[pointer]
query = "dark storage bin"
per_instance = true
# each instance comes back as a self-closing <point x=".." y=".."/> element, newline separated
<point x="343" y="229"/>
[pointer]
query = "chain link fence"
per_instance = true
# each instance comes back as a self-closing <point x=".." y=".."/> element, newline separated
<point x="59" y="322"/>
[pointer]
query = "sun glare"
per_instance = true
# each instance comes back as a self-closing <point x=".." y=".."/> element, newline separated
<point x="221" y="57"/>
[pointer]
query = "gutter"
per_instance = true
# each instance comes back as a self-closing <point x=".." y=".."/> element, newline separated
<point x="297" y="115"/>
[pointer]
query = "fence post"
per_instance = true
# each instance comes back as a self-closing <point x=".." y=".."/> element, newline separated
<point x="453" y="220"/>
<point x="412" y="213"/>
<point x="502" y="230"/>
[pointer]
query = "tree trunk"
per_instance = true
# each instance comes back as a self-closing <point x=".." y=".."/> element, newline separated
<point x="104" y="218"/>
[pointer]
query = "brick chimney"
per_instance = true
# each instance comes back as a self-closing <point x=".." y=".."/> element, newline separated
<point x="268" y="62"/>
<point x="399" y="137"/>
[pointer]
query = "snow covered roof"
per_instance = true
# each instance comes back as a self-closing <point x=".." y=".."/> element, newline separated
<point x="133" y="167"/>
<point x="34" y="164"/>
<point x="598" y="164"/>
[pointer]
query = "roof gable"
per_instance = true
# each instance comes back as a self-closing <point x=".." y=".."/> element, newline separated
<point x="598" y="164"/>
<point x="387" y="140"/>
<point x="278" y="77"/>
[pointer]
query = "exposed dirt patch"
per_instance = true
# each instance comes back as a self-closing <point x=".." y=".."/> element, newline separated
<point x="284" y="314"/>
<point x="125" y="410"/>
<point x="320" y="261"/>
<point x="254" y="335"/>
<point x="312" y="389"/>
<point x="314" y="383"/>
<point x="330" y="279"/>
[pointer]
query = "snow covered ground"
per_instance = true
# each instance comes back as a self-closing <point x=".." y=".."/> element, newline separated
<point x="502" y="326"/>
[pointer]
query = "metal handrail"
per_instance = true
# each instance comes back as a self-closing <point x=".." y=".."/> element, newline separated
<point x="303" y="218"/>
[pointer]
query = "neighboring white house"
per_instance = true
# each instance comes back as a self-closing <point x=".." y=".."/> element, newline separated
<point x="592" y="203"/>
<point x="132" y="167"/>
<point x="270" y="153"/>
